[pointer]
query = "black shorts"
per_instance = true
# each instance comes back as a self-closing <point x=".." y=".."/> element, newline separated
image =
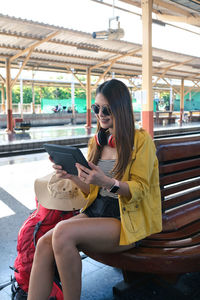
<point x="106" y="207"/>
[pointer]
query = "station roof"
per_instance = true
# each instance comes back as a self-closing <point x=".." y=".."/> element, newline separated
<point x="46" y="47"/>
<point x="187" y="11"/>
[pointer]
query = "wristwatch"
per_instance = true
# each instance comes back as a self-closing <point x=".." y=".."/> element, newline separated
<point x="115" y="187"/>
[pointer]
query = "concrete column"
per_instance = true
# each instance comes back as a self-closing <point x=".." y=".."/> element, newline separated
<point x="147" y="99"/>
<point x="88" y="98"/>
<point x="9" y="97"/>
<point x="181" y="101"/>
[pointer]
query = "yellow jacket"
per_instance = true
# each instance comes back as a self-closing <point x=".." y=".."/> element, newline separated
<point x="141" y="215"/>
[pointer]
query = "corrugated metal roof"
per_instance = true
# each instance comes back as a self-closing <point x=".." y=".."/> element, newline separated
<point x="192" y="5"/>
<point x="78" y="50"/>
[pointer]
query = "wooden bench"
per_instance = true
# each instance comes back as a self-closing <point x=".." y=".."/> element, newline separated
<point x="164" y="116"/>
<point x="194" y="116"/>
<point x="176" y="250"/>
<point x="20" y="124"/>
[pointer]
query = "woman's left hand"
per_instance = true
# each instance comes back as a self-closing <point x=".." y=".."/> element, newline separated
<point x="94" y="176"/>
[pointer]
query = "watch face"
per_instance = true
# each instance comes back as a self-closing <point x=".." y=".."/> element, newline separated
<point x="114" y="189"/>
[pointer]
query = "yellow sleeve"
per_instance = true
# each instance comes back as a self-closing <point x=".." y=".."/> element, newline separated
<point x="143" y="164"/>
<point x="90" y="145"/>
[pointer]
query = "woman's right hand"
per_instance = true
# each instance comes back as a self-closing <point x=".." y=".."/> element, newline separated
<point x="60" y="172"/>
<point x="63" y="174"/>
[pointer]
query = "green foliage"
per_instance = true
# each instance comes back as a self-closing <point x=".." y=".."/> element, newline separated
<point x="27" y="95"/>
<point x="61" y="93"/>
<point x="166" y="97"/>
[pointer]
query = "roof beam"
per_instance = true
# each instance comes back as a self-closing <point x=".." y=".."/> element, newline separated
<point x="171" y="7"/>
<point x="192" y="20"/>
<point x="117" y="7"/>
<point x="102" y="75"/>
<point x="3" y="79"/>
<point x="170" y="85"/>
<point x="189" y="90"/>
<point x="114" y="59"/>
<point x="170" y="67"/>
<point x="82" y="85"/>
<point x="32" y="47"/>
<point x="22" y="67"/>
<point x="135" y="87"/>
<point x="132" y="2"/>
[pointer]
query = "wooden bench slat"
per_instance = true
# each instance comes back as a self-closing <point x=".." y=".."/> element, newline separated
<point x="172" y="178"/>
<point x="180" y="199"/>
<point x="189" y="241"/>
<point x="155" y="260"/>
<point x="183" y="232"/>
<point x="178" y="166"/>
<point x="179" y="187"/>
<point x="176" y="140"/>
<point x="178" y="151"/>
<point x="181" y="216"/>
<point x="165" y="251"/>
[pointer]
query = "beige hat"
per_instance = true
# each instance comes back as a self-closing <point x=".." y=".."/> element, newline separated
<point x="56" y="193"/>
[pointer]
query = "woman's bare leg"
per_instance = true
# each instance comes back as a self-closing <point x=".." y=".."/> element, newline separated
<point x="82" y="233"/>
<point x="43" y="269"/>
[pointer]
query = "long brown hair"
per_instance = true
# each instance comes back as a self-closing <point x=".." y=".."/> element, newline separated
<point x="119" y="100"/>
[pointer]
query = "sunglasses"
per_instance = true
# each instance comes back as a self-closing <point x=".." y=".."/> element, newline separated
<point x="105" y="110"/>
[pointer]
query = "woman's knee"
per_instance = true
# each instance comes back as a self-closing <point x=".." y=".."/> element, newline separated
<point x="44" y="242"/>
<point x="62" y="236"/>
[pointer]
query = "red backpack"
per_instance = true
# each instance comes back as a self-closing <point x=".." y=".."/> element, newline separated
<point x="37" y="224"/>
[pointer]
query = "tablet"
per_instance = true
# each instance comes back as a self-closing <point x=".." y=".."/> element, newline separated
<point x="67" y="157"/>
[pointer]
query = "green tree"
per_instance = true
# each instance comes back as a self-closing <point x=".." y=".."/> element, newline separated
<point x="80" y="93"/>
<point x="165" y="96"/>
<point x="46" y="92"/>
<point x="27" y="95"/>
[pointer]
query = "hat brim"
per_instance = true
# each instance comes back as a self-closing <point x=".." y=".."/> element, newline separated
<point x="46" y="200"/>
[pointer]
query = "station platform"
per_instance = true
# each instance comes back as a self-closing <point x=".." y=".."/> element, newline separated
<point x="33" y="139"/>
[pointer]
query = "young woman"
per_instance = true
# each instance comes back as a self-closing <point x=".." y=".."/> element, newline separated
<point x="122" y="189"/>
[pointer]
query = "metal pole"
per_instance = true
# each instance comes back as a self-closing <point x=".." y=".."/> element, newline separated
<point x="3" y="99"/>
<point x="72" y="96"/>
<point x="88" y="98"/>
<point x="181" y="101"/>
<point x="33" y="93"/>
<point x="21" y="92"/>
<point x="9" y="97"/>
<point x="171" y="96"/>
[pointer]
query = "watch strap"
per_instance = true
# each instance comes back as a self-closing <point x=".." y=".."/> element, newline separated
<point x="115" y="187"/>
